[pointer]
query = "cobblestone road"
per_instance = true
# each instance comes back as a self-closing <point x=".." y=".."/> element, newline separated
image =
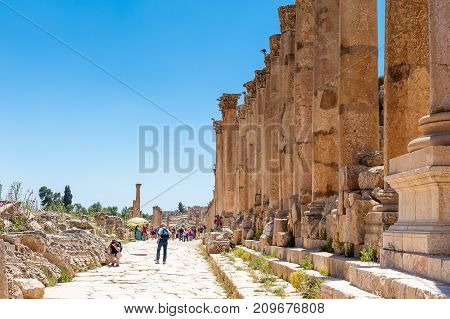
<point x="186" y="275"/>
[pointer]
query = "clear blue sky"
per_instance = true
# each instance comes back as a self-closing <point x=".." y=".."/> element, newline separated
<point x="65" y="122"/>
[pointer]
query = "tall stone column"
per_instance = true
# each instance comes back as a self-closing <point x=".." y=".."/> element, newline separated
<point x="250" y="105"/>
<point x="303" y="99"/>
<point x="266" y="137"/>
<point x="228" y="104"/>
<point x="3" y="280"/>
<point x="325" y="169"/>
<point x="219" y="191"/>
<point x="406" y="82"/>
<point x="137" y="206"/>
<point x="157" y="216"/>
<point x="272" y="122"/>
<point x="286" y="105"/>
<point x="422" y="177"/>
<point x="358" y="110"/>
<point x="260" y="85"/>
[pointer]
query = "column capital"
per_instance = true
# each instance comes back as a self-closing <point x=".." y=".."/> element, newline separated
<point x="228" y="102"/>
<point x="274" y="41"/>
<point x="241" y="113"/>
<point x="217" y="126"/>
<point x="250" y="86"/>
<point x="260" y="78"/>
<point x="287" y="18"/>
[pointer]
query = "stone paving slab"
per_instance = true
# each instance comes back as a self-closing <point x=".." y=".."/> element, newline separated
<point x="186" y="275"/>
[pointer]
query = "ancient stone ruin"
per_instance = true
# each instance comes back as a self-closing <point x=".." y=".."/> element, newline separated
<point x="39" y="248"/>
<point x="306" y="162"/>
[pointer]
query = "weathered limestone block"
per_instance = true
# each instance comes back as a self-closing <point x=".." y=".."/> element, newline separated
<point x="357" y="214"/>
<point x="250" y="234"/>
<point x="267" y="236"/>
<point x="80" y="224"/>
<point x="376" y="223"/>
<point x="280" y="225"/>
<point x="237" y="236"/>
<point x="331" y="227"/>
<point x="371" y="159"/>
<point x="349" y="176"/>
<point x="372" y="178"/>
<point x="217" y="247"/>
<point x="31" y="288"/>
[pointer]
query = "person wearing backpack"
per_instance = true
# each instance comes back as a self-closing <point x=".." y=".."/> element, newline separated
<point x="163" y="238"/>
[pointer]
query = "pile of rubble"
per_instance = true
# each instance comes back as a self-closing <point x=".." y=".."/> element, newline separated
<point x="39" y="249"/>
<point x="219" y="241"/>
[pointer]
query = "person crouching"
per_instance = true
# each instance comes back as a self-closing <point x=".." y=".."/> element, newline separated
<point x="115" y="252"/>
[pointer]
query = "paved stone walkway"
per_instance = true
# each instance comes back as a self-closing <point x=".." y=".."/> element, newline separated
<point x="186" y="275"/>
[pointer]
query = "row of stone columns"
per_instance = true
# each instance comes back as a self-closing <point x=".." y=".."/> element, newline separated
<point x="307" y="163"/>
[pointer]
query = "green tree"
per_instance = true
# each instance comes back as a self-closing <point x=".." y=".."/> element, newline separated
<point x="112" y="210"/>
<point x="125" y="212"/>
<point x="46" y="196"/>
<point x="95" y="208"/>
<point x="67" y="198"/>
<point x="79" y="209"/>
<point x="181" y="207"/>
<point x="1" y="188"/>
<point x="57" y="199"/>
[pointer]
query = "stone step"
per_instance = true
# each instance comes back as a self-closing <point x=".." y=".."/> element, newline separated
<point x="243" y="285"/>
<point x="370" y="277"/>
<point x="332" y="288"/>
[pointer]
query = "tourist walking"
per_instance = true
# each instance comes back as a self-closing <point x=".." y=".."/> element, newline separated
<point x="163" y="238"/>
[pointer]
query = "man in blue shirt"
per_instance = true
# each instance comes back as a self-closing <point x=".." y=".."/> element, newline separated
<point x="163" y="238"/>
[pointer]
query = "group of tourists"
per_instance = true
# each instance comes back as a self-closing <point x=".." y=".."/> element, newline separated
<point x="161" y="234"/>
<point x="181" y="233"/>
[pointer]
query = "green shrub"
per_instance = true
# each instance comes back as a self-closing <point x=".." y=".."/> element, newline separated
<point x="18" y="224"/>
<point x="238" y="252"/>
<point x="328" y="247"/>
<point x="257" y="234"/>
<point x="280" y="292"/>
<point x="271" y="255"/>
<point x="307" y="263"/>
<point x="368" y="254"/>
<point x="308" y="286"/>
<point x="267" y="280"/>
<point x="297" y="278"/>
<point x="260" y="263"/>
<point x="311" y="288"/>
<point x="324" y="271"/>
<point x="64" y="276"/>
<point x="246" y="256"/>
<point x="52" y="281"/>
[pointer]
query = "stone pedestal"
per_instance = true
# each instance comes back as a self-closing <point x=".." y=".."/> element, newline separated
<point x="422" y="180"/>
